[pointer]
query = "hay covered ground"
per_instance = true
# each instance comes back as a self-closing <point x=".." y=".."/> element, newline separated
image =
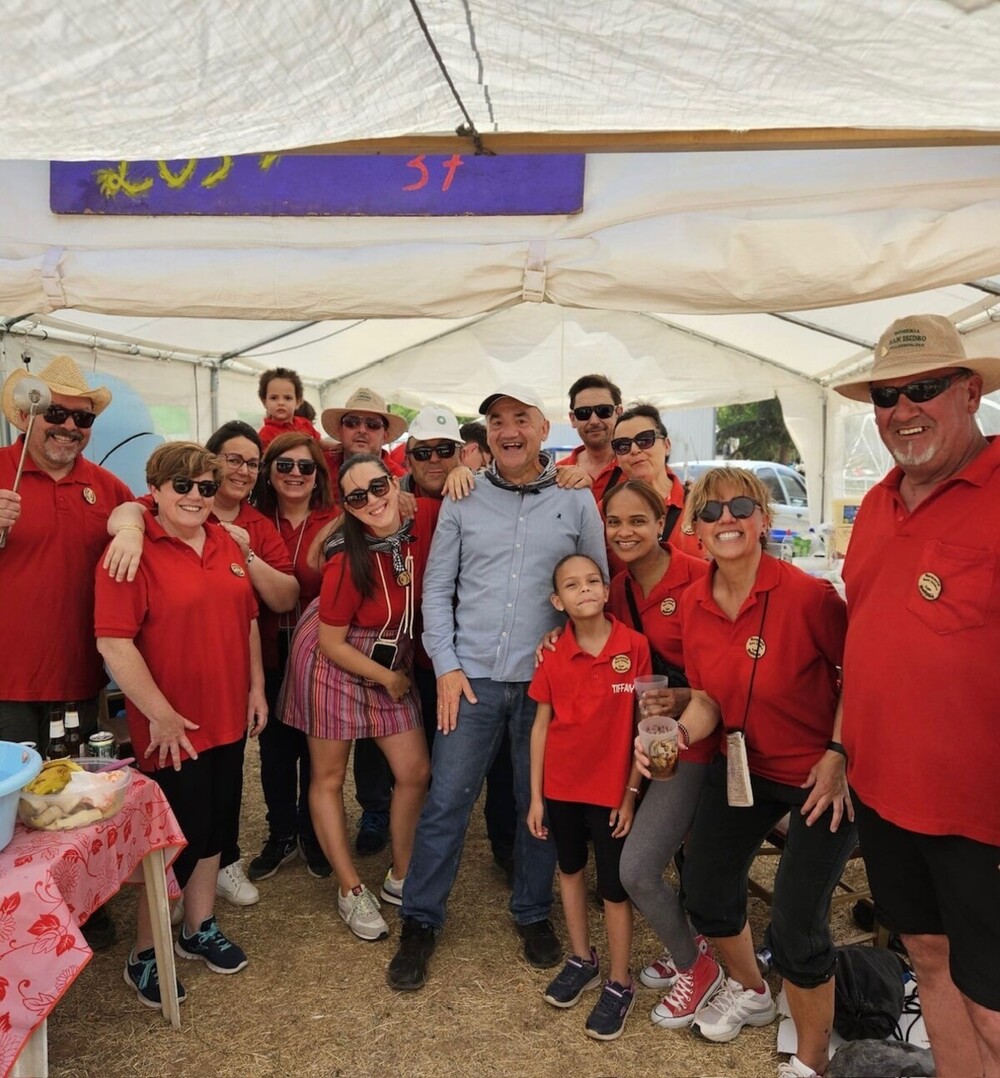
<point x="313" y="1000"/>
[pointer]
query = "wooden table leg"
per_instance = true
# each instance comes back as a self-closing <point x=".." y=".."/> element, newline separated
<point x="33" y="1059"/>
<point x="163" y="942"/>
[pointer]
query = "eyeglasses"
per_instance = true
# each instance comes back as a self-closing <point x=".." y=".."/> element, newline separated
<point x="183" y="485"/>
<point x="286" y="464"/>
<point x="424" y="452"/>
<point x="352" y="422"/>
<point x="377" y="488"/>
<point x="585" y="411"/>
<point x="57" y="415"/>
<point x="645" y="439"/>
<point x="739" y="509"/>
<point x="924" y="389"/>
<point x="235" y="461"/>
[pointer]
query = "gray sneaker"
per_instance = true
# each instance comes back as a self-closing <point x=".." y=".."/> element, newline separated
<point x="360" y="910"/>
<point x="732" y="1008"/>
<point x="392" y="889"/>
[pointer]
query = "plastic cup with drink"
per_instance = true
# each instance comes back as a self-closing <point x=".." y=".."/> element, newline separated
<point x="657" y="730"/>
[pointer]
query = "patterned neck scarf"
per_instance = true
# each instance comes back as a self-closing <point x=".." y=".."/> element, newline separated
<point x="380" y="544"/>
<point x="536" y="486"/>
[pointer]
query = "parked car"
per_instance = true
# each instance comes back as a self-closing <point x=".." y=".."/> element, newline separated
<point x="788" y="489"/>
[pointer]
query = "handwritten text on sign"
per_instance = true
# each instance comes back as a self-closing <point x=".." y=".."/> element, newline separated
<point x="272" y="185"/>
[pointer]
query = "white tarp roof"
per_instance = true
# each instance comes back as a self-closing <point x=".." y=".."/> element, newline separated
<point x="97" y="79"/>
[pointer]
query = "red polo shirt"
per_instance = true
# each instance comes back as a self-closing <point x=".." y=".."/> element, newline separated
<point x="795" y="688"/>
<point x="190" y="619"/>
<point x="341" y="603"/>
<point x="297" y="424"/>
<point x="682" y="541"/>
<point x="922" y="661"/>
<point x="47" y="649"/>
<point x="660" y="615"/>
<point x="605" y="474"/>
<point x="588" y="751"/>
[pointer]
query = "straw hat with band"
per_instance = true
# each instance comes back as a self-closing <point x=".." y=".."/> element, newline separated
<point x="363" y="400"/>
<point x="63" y="377"/>
<point x="916" y="345"/>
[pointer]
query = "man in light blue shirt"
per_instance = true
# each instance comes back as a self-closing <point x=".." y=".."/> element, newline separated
<point x="485" y="607"/>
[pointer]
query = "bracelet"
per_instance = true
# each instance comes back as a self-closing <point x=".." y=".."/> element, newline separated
<point x="835" y="746"/>
<point x="131" y="527"/>
<point x="633" y="790"/>
<point x="250" y="557"/>
<point x="682" y="729"/>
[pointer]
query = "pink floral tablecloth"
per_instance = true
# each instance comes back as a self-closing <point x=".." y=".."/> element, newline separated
<point x="50" y="882"/>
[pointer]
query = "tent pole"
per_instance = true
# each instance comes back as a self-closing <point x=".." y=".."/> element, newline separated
<point x="214" y="395"/>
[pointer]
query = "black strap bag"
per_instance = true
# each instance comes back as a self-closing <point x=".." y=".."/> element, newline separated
<point x="868" y="993"/>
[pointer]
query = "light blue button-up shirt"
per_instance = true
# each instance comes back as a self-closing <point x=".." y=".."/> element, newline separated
<point x="489" y="576"/>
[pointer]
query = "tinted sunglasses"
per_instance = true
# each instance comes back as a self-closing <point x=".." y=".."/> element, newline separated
<point x="352" y="422"/>
<point x="235" y="461"/>
<point x="286" y="464"/>
<point x="57" y="415"/>
<point x="739" y="509"/>
<point x="924" y="389"/>
<point x="424" y="452"/>
<point x="377" y="488"/>
<point x="645" y="439"/>
<point x="585" y="411"/>
<point x="183" y="485"/>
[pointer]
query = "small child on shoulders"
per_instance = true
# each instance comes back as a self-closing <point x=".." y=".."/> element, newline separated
<point x="583" y="776"/>
<point x="280" y="391"/>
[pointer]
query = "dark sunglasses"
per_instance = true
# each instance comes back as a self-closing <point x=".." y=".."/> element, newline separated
<point x="739" y="509"/>
<point x="235" y="461"/>
<point x="645" y="439"/>
<point x="585" y="411"/>
<point x="924" y="389"/>
<point x="57" y="415"/>
<point x="352" y="422"/>
<point x="424" y="452"/>
<point x="286" y="464"/>
<point x="183" y="485"/>
<point x="377" y="488"/>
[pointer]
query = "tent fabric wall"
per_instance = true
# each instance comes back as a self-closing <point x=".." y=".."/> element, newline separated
<point x="103" y="79"/>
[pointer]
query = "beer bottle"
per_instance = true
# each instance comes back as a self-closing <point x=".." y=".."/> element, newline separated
<point x="58" y="749"/>
<point x="74" y="743"/>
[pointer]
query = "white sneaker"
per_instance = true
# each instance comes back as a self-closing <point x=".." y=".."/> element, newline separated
<point x="392" y="889"/>
<point x="662" y="973"/>
<point x="732" y="1008"/>
<point x="360" y="910"/>
<point x="795" y="1068"/>
<point x="177" y="912"/>
<point x="234" y="887"/>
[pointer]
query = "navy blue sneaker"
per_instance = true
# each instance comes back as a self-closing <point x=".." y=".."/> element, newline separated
<point x="373" y="832"/>
<point x="573" y="980"/>
<point x="140" y="974"/>
<point x="607" y="1019"/>
<point x="210" y="946"/>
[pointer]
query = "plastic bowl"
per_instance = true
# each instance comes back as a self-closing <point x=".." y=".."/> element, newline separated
<point x="18" y="765"/>
<point x="94" y="793"/>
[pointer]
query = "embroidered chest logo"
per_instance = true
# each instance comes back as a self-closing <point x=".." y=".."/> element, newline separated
<point x="621" y="664"/>
<point x="667" y="607"/>
<point x="755" y="646"/>
<point x="929" y="585"/>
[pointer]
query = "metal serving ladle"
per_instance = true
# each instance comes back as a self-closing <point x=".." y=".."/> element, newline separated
<point x="31" y="396"/>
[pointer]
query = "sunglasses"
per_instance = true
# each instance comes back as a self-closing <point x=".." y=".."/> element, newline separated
<point x="57" y="415"/>
<point x="183" y="485"/>
<point x="739" y="509"/>
<point x="377" y="488"/>
<point x="645" y="439"/>
<point x="585" y="411"/>
<point x="235" y="461"/>
<point x="425" y="452"/>
<point x="286" y="464"/>
<point x="352" y="422"/>
<point x="924" y="389"/>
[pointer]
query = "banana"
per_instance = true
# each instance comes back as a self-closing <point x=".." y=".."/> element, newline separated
<point x="53" y="777"/>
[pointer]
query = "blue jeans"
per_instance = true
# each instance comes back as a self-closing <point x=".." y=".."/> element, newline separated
<point x="458" y="769"/>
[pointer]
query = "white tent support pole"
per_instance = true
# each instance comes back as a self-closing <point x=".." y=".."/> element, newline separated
<point x="241" y="352"/>
<point x="825" y="330"/>
<point x="41" y="332"/>
<point x="213" y="400"/>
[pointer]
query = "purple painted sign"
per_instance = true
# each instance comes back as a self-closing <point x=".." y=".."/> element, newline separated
<point x="272" y="185"/>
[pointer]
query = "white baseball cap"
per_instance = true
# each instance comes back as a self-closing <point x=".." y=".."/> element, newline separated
<point x="433" y="422"/>
<point x="524" y="394"/>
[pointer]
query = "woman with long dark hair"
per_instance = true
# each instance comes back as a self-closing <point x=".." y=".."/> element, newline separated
<point x="349" y="676"/>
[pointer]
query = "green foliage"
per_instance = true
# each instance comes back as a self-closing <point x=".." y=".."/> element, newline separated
<point x="760" y="428"/>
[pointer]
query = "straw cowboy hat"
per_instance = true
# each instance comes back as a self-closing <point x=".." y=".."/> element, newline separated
<point x="363" y="400"/>
<point x="915" y="345"/>
<point x="62" y="376"/>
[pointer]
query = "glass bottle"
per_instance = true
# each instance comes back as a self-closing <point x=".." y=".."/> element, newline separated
<point x="58" y="749"/>
<point x="73" y="740"/>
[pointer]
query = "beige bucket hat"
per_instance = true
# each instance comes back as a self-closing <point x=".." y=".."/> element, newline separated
<point x="363" y="400"/>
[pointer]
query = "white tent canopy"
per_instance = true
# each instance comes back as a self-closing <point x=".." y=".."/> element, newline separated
<point x="665" y="279"/>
